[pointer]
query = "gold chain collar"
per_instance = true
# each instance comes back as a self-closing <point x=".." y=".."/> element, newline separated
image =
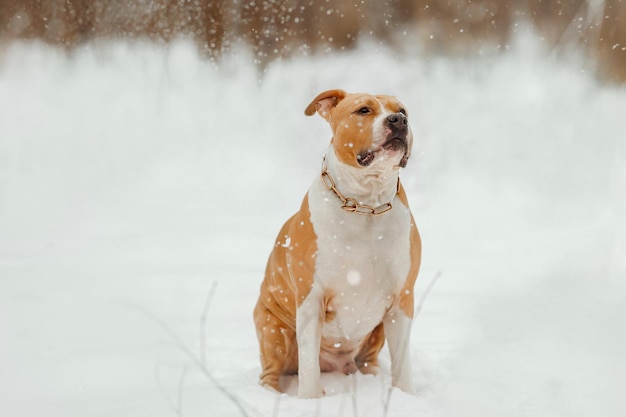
<point x="350" y="204"/>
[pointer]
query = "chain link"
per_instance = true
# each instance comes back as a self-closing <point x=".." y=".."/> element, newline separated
<point x="349" y="204"/>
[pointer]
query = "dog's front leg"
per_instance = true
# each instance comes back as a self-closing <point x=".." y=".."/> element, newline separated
<point x="398" y="331"/>
<point x="309" y="321"/>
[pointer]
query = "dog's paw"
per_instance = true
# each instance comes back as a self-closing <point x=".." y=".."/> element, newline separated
<point x="271" y="389"/>
<point x="311" y="392"/>
<point x="406" y="387"/>
<point x="369" y="369"/>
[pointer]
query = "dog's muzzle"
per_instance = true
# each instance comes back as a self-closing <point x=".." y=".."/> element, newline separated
<point x="397" y="140"/>
<point x="398" y="126"/>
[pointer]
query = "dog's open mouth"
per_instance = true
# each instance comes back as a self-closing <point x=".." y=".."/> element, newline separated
<point x="398" y="144"/>
<point x="393" y="144"/>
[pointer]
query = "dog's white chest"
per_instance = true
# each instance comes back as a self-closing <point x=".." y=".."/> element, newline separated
<point x="362" y="262"/>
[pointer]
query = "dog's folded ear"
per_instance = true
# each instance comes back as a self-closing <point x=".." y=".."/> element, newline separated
<point x="324" y="103"/>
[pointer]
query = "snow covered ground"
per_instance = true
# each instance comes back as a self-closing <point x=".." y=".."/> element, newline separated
<point x="141" y="189"/>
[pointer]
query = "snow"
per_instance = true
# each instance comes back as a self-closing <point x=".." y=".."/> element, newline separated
<point x="142" y="187"/>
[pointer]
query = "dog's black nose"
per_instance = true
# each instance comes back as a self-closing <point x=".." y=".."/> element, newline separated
<point x="398" y="120"/>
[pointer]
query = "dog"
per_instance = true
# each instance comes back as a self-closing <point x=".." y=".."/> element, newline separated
<point x="339" y="280"/>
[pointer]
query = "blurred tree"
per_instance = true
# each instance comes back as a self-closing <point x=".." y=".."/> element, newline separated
<point x="64" y="22"/>
<point x="612" y="42"/>
<point x="276" y="29"/>
<point x="552" y="18"/>
<point x="460" y="27"/>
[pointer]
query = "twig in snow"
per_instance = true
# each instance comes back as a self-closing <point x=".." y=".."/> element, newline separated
<point x="387" y="401"/>
<point x="355" y="409"/>
<point x="157" y="376"/>
<point x="178" y="408"/>
<point x="430" y="286"/>
<point x="181" y="384"/>
<point x="196" y="361"/>
<point x="205" y="312"/>
<point x="342" y="406"/>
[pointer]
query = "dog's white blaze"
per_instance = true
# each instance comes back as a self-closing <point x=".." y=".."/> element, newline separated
<point x="374" y="185"/>
<point x="379" y="131"/>
<point x="360" y="270"/>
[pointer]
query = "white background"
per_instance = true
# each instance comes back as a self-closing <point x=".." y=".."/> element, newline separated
<point x="138" y="181"/>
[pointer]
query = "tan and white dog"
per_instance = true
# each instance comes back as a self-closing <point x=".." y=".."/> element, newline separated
<point x="340" y="278"/>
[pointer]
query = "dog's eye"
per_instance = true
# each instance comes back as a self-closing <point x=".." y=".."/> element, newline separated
<point x="402" y="111"/>
<point x="364" y="110"/>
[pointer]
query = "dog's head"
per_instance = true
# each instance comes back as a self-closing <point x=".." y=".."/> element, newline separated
<point x="367" y="129"/>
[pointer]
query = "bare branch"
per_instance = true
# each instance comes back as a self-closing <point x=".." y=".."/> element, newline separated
<point x="430" y="286"/>
<point x="237" y="402"/>
<point x="181" y="384"/>
<point x="355" y="409"/>
<point x="157" y="376"/>
<point x="203" y="322"/>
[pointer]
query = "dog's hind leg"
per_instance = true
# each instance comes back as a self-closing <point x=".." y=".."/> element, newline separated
<point x="367" y="358"/>
<point x="279" y="351"/>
